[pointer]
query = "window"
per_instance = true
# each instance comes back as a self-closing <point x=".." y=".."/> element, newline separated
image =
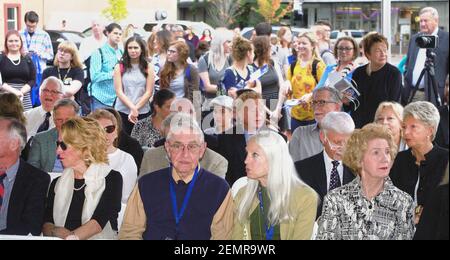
<point x="12" y="16"/>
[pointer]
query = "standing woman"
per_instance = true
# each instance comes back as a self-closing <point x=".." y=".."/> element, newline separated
<point x="17" y="70"/>
<point x="304" y="77"/>
<point x="133" y="80"/>
<point x="68" y="68"/>
<point x="377" y="81"/>
<point x="419" y="170"/>
<point x="206" y="36"/>
<point x="161" y="44"/>
<point x="345" y="51"/>
<point x="177" y="75"/>
<point x="85" y="201"/>
<point x="275" y="204"/>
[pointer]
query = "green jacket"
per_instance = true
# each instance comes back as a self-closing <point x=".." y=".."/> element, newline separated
<point x="43" y="150"/>
<point x="303" y="207"/>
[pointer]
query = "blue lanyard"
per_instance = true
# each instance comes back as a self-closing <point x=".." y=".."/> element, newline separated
<point x="269" y="230"/>
<point x="179" y="214"/>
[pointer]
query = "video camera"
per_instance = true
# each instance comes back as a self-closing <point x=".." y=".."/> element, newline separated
<point x="427" y="41"/>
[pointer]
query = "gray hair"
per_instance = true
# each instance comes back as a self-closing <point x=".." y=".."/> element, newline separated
<point x="335" y="95"/>
<point x="281" y="183"/>
<point x="55" y="80"/>
<point x="434" y="13"/>
<point x="16" y="130"/>
<point x="67" y="102"/>
<point x="339" y="122"/>
<point x="182" y="121"/>
<point x="425" y="112"/>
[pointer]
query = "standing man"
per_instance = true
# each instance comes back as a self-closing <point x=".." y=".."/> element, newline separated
<point x="23" y="188"/>
<point x="429" y="25"/>
<point x="93" y="42"/>
<point x="322" y="29"/>
<point x="38" y="44"/>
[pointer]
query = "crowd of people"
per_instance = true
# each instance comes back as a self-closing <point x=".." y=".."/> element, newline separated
<point x="181" y="137"/>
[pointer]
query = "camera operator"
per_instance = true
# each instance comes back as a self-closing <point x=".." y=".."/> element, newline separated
<point x="417" y="58"/>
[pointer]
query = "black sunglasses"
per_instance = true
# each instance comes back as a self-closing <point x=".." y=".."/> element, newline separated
<point x="110" y="129"/>
<point x="62" y="145"/>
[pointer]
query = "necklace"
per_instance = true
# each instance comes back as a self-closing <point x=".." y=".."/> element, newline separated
<point x="77" y="189"/>
<point x="15" y="63"/>
<point x="65" y="76"/>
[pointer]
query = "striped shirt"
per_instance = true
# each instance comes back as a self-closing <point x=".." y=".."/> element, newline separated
<point x="102" y="70"/>
<point x="348" y="215"/>
<point x="40" y="44"/>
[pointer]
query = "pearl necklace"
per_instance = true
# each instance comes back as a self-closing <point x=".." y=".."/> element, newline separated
<point x="77" y="189"/>
<point x="15" y="63"/>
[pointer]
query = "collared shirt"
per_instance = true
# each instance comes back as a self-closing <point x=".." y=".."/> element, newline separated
<point x="89" y="45"/>
<point x="102" y="69"/>
<point x="35" y="117"/>
<point x="40" y="43"/>
<point x="349" y="215"/>
<point x="305" y="142"/>
<point x="420" y="64"/>
<point x="8" y="183"/>
<point x="329" y="166"/>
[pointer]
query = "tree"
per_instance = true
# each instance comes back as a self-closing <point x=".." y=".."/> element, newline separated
<point x="116" y="11"/>
<point x="272" y="10"/>
<point x="223" y="13"/>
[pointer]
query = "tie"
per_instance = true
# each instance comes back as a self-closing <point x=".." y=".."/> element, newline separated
<point x="334" y="179"/>
<point x="45" y="125"/>
<point x="2" y="187"/>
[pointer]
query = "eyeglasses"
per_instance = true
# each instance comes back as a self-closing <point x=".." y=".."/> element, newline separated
<point x="345" y="48"/>
<point x="179" y="147"/>
<point x="62" y="145"/>
<point x="110" y="129"/>
<point x="321" y="103"/>
<point x="63" y="51"/>
<point x="52" y="92"/>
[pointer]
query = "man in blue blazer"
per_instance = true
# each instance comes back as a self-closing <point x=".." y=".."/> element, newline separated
<point x="23" y="187"/>
<point x="429" y="25"/>
<point x="43" y="148"/>
<point x="325" y="170"/>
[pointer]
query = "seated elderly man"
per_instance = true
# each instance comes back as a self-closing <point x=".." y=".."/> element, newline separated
<point x="156" y="158"/>
<point x="23" y="188"/>
<point x="305" y="140"/>
<point x="43" y="149"/>
<point x="153" y="211"/>
<point x="40" y="118"/>
<point x="325" y="171"/>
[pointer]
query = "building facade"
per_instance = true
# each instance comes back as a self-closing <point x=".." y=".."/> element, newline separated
<point x="77" y="14"/>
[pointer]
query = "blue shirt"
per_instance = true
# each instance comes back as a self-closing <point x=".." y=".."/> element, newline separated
<point x="102" y="70"/>
<point x="8" y="183"/>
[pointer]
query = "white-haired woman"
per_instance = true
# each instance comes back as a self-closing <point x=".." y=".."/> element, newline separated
<point x="419" y="170"/>
<point x="390" y="114"/>
<point x="275" y="204"/>
<point x="212" y="65"/>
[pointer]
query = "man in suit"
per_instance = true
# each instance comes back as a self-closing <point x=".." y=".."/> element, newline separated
<point x="43" y="149"/>
<point x="325" y="171"/>
<point x="23" y="188"/>
<point x="416" y="57"/>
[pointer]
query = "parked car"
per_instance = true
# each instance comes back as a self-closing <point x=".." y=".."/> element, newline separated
<point x="355" y="34"/>
<point x="197" y="27"/>
<point x="247" y="32"/>
<point x="58" y="36"/>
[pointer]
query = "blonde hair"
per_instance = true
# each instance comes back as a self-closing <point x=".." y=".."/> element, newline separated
<point x="72" y="48"/>
<point x="314" y="43"/>
<point x="356" y="146"/>
<point x="87" y="136"/>
<point x="396" y="108"/>
<point x="104" y="114"/>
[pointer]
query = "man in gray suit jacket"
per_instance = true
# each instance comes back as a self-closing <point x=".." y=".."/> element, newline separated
<point x="429" y="21"/>
<point x="43" y="148"/>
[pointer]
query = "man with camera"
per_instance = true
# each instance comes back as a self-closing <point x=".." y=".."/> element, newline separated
<point x="428" y="50"/>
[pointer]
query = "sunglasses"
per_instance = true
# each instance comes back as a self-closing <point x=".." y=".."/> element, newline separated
<point x="62" y="145"/>
<point x="110" y="129"/>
